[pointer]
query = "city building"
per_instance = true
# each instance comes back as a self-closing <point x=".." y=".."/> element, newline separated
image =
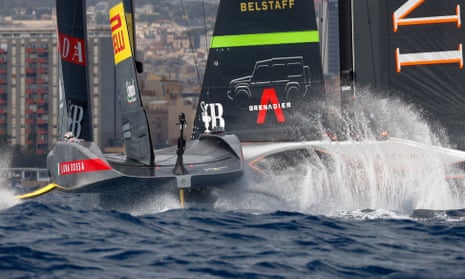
<point x="29" y="84"/>
<point x="29" y="91"/>
<point x="163" y="102"/>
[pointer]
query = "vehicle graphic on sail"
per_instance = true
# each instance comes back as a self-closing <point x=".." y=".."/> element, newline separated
<point x="288" y="75"/>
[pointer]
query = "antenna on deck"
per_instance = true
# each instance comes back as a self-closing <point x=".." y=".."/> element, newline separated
<point x="179" y="169"/>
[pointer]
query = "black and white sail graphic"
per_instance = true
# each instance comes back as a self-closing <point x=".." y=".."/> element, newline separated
<point x="72" y="48"/>
<point x="263" y="80"/>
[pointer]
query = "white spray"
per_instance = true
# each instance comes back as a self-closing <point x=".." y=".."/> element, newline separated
<point x="370" y="178"/>
<point x="7" y="195"/>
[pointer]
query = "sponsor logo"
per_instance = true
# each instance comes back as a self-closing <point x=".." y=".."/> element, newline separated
<point x="71" y="49"/>
<point x="75" y="116"/>
<point x="269" y="5"/>
<point x="287" y="76"/>
<point x="81" y="166"/>
<point x="402" y="16"/>
<point x="212" y="116"/>
<point x="270" y="102"/>
<point x="119" y="34"/>
<point x="127" y="130"/>
<point x="131" y="91"/>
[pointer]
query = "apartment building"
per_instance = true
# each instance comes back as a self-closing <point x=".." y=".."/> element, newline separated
<point x="29" y="85"/>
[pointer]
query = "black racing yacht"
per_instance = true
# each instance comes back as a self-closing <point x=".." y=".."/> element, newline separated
<point x="76" y="163"/>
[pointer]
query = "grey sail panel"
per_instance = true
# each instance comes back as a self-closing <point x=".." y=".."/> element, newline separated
<point x="72" y="48"/>
<point x="136" y="131"/>
<point x="414" y="50"/>
<point x="263" y="80"/>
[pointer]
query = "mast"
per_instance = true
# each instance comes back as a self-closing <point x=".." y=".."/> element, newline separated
<point x="346" y="54"/>
<point x="129" y="12"/>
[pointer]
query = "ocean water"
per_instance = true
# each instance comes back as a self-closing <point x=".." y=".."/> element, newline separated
<point x="371" y="222"/>
<point x="54" y="236"/>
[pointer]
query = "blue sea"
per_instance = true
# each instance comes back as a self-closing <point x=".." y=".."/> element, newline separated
<point x="56" y="236"/>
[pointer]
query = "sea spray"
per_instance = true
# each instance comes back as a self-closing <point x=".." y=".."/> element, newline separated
<point x="379" y="178"/>
<point x="375" y="174"/>
<point x="7" y="194"/>
<point x="370" y="114"/>
<point x="7" y="197"/>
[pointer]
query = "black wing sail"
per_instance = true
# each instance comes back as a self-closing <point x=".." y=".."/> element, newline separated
<point x="72" y="47"/>
<point x="414" y="50"/>
<point x="136" y="130"/>
<point x="263" y="80"/>
<point x="129" y="12"/>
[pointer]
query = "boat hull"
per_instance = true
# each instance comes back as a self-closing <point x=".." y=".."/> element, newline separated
<point x="211" y="161"/>
<point x="394" y="155"/>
